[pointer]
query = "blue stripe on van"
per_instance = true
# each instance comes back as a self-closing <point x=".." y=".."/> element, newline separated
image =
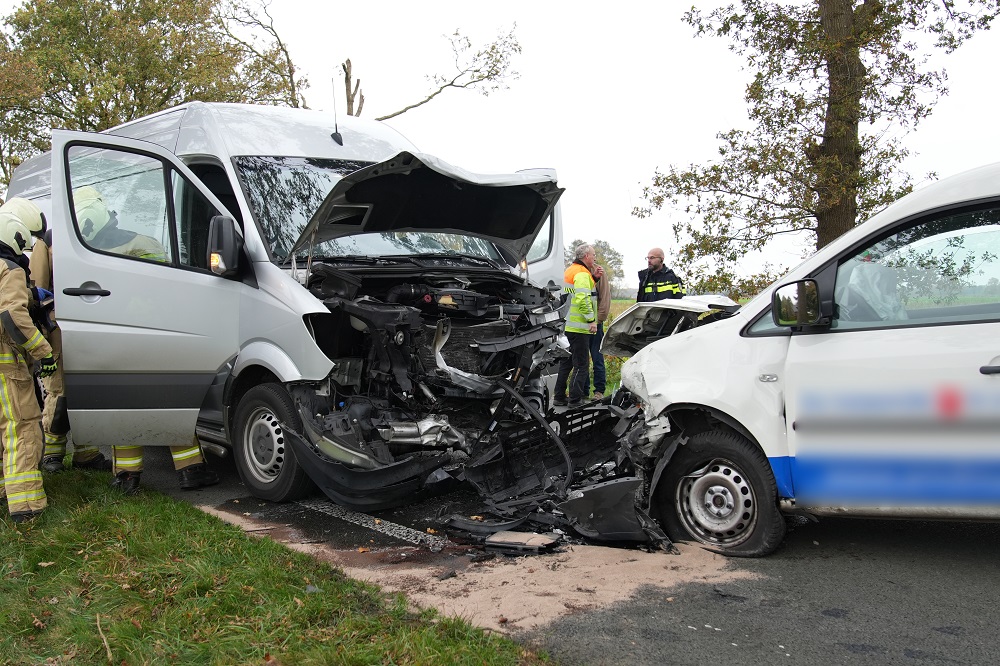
<point x="932" y="481"/>
<point x="781" y="466"/>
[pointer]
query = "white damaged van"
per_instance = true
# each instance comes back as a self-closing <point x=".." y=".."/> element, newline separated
<point x="330" y="303"/>
<point x="866" y="382"/>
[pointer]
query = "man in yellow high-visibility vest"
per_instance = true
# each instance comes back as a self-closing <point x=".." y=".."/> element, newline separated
<point x="581" y="324"/>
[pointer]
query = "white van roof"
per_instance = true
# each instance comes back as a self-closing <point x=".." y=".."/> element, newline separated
<point x="249" y="129"/>
<point x="217" y="129"/>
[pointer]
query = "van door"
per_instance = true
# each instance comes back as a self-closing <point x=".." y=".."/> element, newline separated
<point x="898" y="403"/>
<point x="546" y="263"/>
<point x="146" y="325"/>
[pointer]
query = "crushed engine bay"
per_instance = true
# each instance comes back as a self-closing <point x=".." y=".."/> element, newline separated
<point x="439" y="380"/>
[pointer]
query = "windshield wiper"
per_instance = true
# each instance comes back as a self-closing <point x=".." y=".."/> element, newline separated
<point x="303" y="258"/>
<point x="458" y="255"/>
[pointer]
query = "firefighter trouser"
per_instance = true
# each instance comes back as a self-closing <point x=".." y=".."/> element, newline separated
<point x="22" y="445"/>
<point x="129" y="458"/>
<point x="55" y="421"/>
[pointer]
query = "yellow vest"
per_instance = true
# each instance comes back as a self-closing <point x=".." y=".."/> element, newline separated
<point x="579" y="284"/>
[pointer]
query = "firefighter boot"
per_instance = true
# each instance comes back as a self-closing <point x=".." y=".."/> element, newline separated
<point x="52" y="464"/>
<point x="126" y="482"/>
<point x="197" y="476"/>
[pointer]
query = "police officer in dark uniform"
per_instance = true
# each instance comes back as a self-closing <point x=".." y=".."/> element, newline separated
<point x="658" y="282"/>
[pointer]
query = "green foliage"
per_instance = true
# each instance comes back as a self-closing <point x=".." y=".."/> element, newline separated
<point x="607" y="256"/>
<point x="829" y="79"/>
<point x="93" y="64"/>
<point x="101" y="579"/>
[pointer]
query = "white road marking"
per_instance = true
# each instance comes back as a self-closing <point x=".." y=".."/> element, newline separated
<point x="383" y="526"/>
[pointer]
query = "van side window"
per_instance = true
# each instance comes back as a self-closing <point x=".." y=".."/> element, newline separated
<point x="944" y="270"/>
<point x="136" y="206"/>
<point x="120" y="203"/>
<point x="542" y="245"/>
<point x="193" y="213"/>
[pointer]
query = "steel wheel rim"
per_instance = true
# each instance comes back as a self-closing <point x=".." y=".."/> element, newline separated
<point x="263" y="445"/>
<point x="717" y="504"/>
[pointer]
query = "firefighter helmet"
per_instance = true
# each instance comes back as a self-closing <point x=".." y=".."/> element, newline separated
<point x="91" y="211"/>
<point x="19" y="219"/>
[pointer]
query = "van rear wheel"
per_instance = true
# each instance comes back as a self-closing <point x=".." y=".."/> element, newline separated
<point x="264" y="456"/>
<point x="718" y="490"/>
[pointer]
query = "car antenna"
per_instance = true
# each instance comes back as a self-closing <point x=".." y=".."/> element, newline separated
<point x="336" y="130"/>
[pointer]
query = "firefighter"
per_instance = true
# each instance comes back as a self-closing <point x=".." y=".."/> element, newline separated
<point x="99" y="227"/>
<point x="55" y="421"/>
<point x="21" y="344"/>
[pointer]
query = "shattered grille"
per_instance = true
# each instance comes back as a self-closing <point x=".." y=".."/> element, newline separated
<point x="457" y="352"/>
<point x="531" y="459"/>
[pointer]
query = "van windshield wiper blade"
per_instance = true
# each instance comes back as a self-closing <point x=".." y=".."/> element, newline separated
<point x="303" y="258"/>
<point x="458" y="255"/>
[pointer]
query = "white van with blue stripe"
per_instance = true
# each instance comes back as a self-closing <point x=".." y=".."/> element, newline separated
<point x="864" y="383"/>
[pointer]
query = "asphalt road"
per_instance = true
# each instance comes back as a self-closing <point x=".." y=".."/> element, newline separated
<point x="841" y="591"/>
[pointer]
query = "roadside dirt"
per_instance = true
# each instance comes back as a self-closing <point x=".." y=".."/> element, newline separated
<point x="507" y="593"/>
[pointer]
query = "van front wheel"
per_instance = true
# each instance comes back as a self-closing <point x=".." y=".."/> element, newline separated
<point x="264" y="456"/>
<point x="718" y="490"/>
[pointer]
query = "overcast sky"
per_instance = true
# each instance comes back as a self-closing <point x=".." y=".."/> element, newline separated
<point x="607" y="93"/>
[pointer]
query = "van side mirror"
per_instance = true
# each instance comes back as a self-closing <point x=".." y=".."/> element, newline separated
<point x="225" y="245"/>
<point x="796" y="304"/>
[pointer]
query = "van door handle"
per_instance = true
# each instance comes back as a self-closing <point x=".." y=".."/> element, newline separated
<point x="86" y="291"/>
<point x="990" y="369"/>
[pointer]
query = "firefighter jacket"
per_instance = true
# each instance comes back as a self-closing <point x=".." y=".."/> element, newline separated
<point x="659" y="285"/>
<point x="579" y="284"/>
<point x="128" y="243"/>
<point x="20" y="341"/>
<point x="41" y="264"/>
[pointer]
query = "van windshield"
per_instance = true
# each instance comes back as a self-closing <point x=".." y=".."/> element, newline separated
<point x="285" y="192"/>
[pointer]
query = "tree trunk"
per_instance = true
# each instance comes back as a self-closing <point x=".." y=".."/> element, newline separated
<point x="352" y="95"/>
<point x="837" y="162"/>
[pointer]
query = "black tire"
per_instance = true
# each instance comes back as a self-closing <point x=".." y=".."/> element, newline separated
<point x="695" y="496"/>
<point x="264" y="457"/>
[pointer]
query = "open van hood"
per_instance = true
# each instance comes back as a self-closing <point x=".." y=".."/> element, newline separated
<point x="644" y="323"/>
<point x="420" y="193"/>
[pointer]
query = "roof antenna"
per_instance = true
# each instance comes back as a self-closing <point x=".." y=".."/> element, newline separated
<point x="336" y="130"/>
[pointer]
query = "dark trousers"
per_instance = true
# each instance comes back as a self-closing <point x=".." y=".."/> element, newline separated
<point x="579" y="363"/>
<point x="600" y="374"/>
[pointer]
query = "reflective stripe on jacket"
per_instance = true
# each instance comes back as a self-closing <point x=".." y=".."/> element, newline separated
<point x="18" y="336"/>
<point x="579" y="284"/>
<point x="657" y="286"/>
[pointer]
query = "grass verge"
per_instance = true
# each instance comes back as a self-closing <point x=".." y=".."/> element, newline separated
<point x="103" y="579"/>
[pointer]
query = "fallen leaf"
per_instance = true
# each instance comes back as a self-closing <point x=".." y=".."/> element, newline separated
<point x="45" y="564"/>
<point x="298" y="602"/>
<point x="36" y="622"/>
<point x="476" y="517"/>
<point x="502" y="620"/>
<point x="136" y="624"/>
<point x="378" y="521"/>
<point x="362" y="549"/>
<point x="431" y="530"/>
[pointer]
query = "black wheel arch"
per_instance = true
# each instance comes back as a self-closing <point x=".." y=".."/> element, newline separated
<point x="686" y="420"/>
<point x="251" y="376"/>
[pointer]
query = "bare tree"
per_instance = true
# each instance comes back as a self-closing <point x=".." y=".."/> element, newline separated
<point x="252" y="29"/>
<point x="352" y="94"/>
<point x="487" y="70"/>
